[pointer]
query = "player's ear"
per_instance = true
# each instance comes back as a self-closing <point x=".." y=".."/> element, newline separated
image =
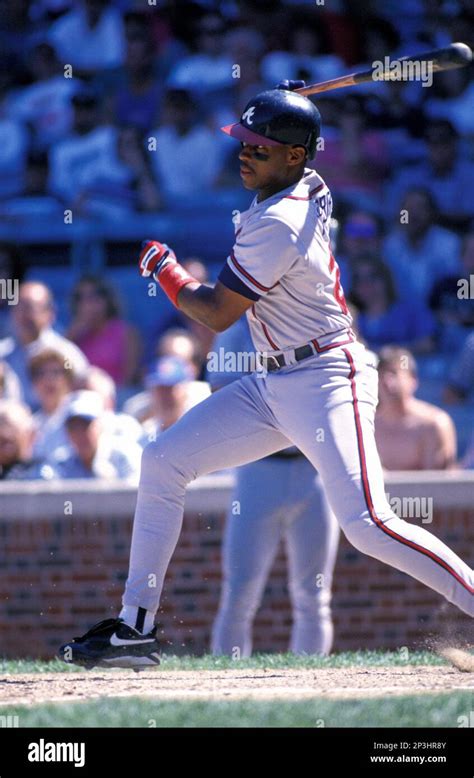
<point x="296" y="155"/>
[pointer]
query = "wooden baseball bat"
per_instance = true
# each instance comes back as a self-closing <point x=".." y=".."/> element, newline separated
<point x="457" y="55"/>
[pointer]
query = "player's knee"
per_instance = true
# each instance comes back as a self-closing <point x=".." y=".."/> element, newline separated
<point x="160" y="464"/>
<point x="360" y="535"/>
<point x="316" y="592"/>
<point x="241" y="597"/>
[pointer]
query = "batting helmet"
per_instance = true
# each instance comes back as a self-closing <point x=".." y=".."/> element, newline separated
<point x="278" y="116"/>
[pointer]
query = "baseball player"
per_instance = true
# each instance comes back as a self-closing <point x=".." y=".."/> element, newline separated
<point x="317" y="388"/>
<point x="278" y="497"/>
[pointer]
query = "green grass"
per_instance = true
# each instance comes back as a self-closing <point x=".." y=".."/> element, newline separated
<point x="258" y="661"/>
<point x="440" y="710"/>
<point x="425" y="710"/>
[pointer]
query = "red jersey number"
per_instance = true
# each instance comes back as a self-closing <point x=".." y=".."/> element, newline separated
<point x="338" y="293"/>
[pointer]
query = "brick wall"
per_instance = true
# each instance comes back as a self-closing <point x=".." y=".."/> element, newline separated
<point x="60" y="573"/>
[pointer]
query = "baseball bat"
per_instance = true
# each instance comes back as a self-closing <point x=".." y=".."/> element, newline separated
<point x="457" y="55"/>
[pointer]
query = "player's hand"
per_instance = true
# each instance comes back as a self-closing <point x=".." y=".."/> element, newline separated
<point x="291" y="84"/>
<point x="153" y="258"/>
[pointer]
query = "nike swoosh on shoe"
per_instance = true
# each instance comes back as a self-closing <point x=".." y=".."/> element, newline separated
<point x="116" y="641"/>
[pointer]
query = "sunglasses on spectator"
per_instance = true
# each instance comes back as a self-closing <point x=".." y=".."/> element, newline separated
<point x="48" y="372"/>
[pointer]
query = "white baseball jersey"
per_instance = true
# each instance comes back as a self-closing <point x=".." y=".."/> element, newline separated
<point x="282" y="260"/>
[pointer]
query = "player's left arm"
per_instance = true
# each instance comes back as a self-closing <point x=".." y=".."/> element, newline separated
<point x="217" y="307"/>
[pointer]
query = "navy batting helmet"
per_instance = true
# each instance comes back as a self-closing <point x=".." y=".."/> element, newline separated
<point x="278" y="116"/>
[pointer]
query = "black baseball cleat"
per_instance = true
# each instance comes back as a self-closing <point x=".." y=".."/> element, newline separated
<point x="112" y="643"/>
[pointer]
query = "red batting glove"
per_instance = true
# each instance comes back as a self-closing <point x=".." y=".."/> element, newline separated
<point x="159" y="261"/>
<point x="153" y="257"/>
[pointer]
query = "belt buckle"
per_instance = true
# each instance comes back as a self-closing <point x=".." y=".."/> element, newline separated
<point x="268" y="365"/>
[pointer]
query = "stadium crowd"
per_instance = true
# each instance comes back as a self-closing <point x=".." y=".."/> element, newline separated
<point x="110" y="110"/>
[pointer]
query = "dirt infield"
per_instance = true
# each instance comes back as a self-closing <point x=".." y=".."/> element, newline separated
<point x="233" y="684"/>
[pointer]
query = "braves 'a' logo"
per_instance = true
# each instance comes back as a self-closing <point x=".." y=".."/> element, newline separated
<point x="247" y="115"/>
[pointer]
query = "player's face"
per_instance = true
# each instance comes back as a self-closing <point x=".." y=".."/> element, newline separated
<point x="396" y="383"/>
<point x="269" y="167"/>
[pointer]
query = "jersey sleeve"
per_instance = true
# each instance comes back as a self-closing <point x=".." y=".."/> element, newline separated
<point x="260" y="257"/>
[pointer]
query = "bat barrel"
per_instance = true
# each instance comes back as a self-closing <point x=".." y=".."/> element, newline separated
<point x="457" y="55"/>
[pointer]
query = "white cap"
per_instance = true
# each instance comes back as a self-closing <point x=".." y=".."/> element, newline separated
<point x="86" y="404"/>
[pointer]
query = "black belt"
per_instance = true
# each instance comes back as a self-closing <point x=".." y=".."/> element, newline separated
<point x="275" y="361"/>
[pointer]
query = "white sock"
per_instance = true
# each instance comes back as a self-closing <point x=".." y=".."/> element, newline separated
<point x="138" y="618"/>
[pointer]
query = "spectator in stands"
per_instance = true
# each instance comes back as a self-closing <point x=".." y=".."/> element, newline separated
<point x="167" y="384"/>
<point x="452" y="300"/>
<point x="460" y="384"/>
<point x="105" y="338"/>
<point x="180" y="343"/>
<point x="402" y="121"/>
<point x="44" y="105"/>
<point x="32" y="323"/>
<point x="142" y="188"/>
<point x="304" y="58"/>
<point x="445" y="173"/>
<point x="53" y="380"/>
<point x="121" y="424"/>
<point x="16" y="442"/>
<point x="17" y="31"/>
<point x="10" y="388"/>
<point x="90" y="36"/>
<point x="35" y="200"/>
<point x="87" y="143"/>
<point x="86" y="169"/>
<point x="360" y="238"/>
<point x="385" y="317"/>
<point x="36" y="175"/>
<point x="181" y="139"/>
<point x="379" y="36"/>
<point x="245" y="46"/>
<point x="160" y="29"/>
<point x="354" y="157"/>
<point x="92" y="452"/>
<point x="14" y="143"/>
<point x="418" y="251"/>
<point x="135" y="96"/>
<point x="432" y="23"/>
<point x="210" y="67"/>
<point x="451" y="98"/>
<point x="410" y="434"/>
